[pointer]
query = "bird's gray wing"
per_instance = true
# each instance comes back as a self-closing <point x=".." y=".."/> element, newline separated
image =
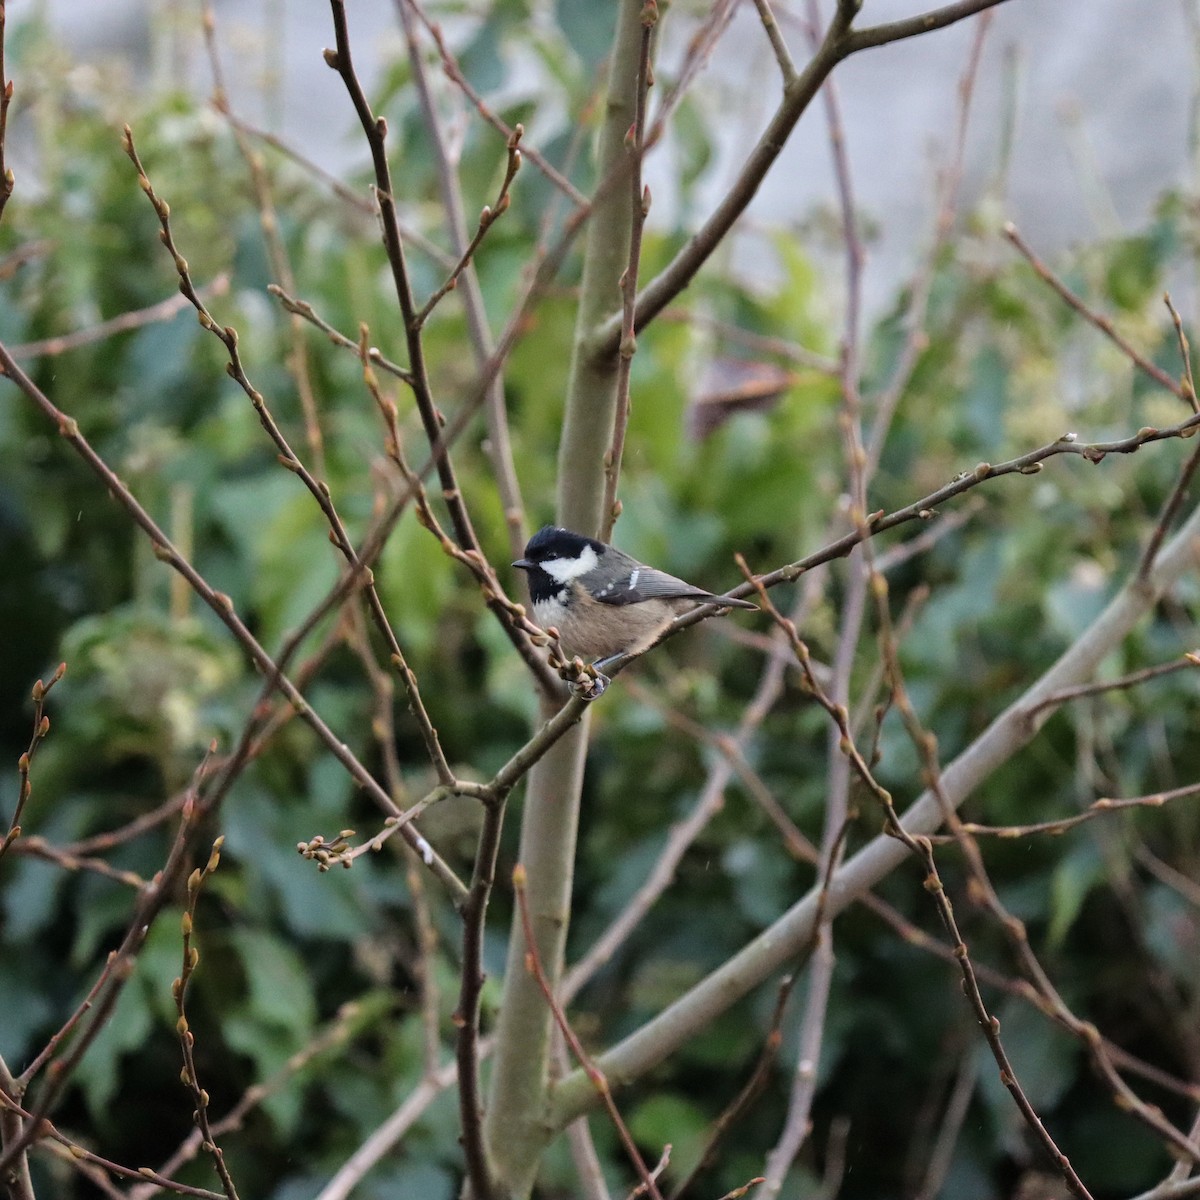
<point x="636" y="582"/>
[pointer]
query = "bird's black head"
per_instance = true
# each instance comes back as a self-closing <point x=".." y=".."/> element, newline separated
<point x="554" y="556"/>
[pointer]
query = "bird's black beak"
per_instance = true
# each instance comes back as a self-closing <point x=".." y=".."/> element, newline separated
<point x="524" y="564"/>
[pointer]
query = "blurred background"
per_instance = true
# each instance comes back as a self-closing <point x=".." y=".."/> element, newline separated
<point x="1082" y="132"/>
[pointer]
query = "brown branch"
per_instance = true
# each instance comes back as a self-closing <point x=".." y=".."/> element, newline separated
<point x="305" y="310"/>
<point x="187" y="1040"/>
<point x="1096" y="809"/>
<point x="6" y="94"/>
<point x="921" y="287"/>
<point x="466" y="1014"/>
<point x="16" y="1181"/>
<point x="455" y="74"/>
<point x="839" y="42"/>
<point x="1101" y="322"/>
<point x="499" y="440"/>
<point x="117" y="970"/>
<point x="277" y="254"/>
<point x="288" y="458"/>
<point x="1123" y="683"/>
<point x="488" y="216"/>
<point x="375" y="130"/>
<point x="97" y="1168"/>
<point x="1174" y="502"/>
<point x="1014" y="929"/>
<point x="41" y="727"/>
<point x="783" y="56"/>
<point x="748" y="1093"/>
<point x="38" y="847"/>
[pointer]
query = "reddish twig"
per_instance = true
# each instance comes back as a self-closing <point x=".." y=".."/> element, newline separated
<point x="334" y="1036"/>
<point x="1099" y="320"/>
<point x="41" y="727"/>
<point x="303" y="309"/>
<point x="116" y="972"/>
<point x="375" y="131"/>
<point x="187" y="1040"/>
<point x="455" y="74"/>
<point x="488" y="216"/>
<point x="277" y="254"/>
<point x="1014" y="929"/>
<point x="6" y="94"/>
<point x="499" y="440"/>
<point x="466" y="1014"/>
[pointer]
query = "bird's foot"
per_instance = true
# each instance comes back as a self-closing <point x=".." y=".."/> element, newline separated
<point x="590" y="687"/>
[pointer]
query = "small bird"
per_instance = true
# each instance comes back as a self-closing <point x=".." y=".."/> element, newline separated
<point x="601" y="601"/>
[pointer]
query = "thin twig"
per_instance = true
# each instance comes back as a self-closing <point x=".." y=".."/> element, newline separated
<point x="838" y="44"/>
<point x="488" y="216"/>
<point x="41" y="727"/>
<point x="164" y="310"/>
<point x="116" y="972"/>
<point x="6" y="94"/>
<point x="187" y="1039"/>
<point x="455" y="74"/>
<point x="291" y="461"/>
<point x="1122" y="683"/>
<point x="921" y="288"/>
<point x="277" y="253"/>
<point x="1014" y="929"/>
<point x="1099" y="320"/>
<point x="499" y="440"/>
<point x="375" y="132"/>
<point x="1179" y="492"/>
<point x="335" y="1035"/>
<point x="1095" y="809"/>
<point x="466" y="1014"/>
<point x="305" y="310"/>
<point x="783" y="56"/>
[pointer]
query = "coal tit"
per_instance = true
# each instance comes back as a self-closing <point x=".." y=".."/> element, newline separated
<point x="601" y="601"/>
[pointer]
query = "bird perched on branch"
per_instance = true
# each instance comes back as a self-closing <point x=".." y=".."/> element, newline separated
<point x="601" y="601"/>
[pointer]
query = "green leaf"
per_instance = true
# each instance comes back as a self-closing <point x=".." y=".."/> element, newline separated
<point x="1075" y="875"/>
<point x="280" y="987"/>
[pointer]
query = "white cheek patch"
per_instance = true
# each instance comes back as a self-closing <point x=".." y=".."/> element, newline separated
<point x="563" y="570"/>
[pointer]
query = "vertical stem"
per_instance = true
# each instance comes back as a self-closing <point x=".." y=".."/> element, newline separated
<point x="592" y="388"/>
<point x="515" y="1128"/>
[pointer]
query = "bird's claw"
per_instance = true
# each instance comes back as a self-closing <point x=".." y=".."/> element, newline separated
<point x="591" y="688"/>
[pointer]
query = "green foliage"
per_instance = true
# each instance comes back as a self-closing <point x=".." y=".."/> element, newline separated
<point x="153" y="679"/>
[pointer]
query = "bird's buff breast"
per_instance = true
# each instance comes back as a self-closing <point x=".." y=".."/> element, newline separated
<point x="608" y="629"/>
